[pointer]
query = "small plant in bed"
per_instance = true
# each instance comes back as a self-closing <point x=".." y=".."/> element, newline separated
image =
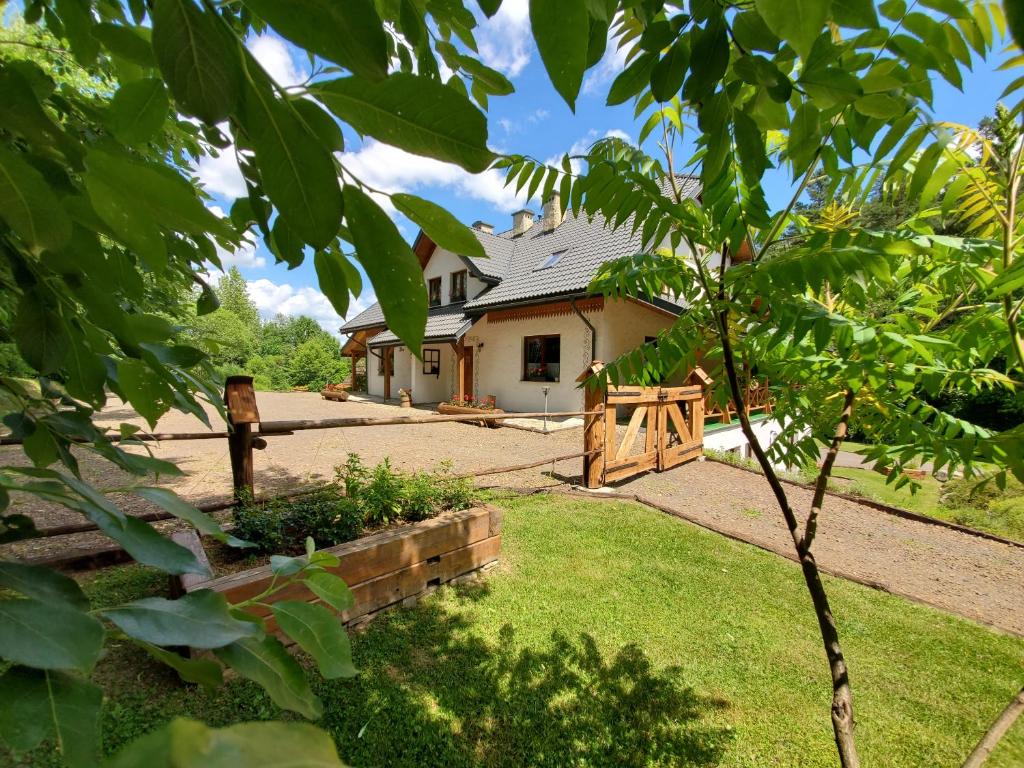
<point x="361" y="498"/>
<point x="275" y="526"/>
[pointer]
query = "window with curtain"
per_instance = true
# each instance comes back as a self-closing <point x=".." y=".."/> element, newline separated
<point x="434" y="291"/>
<point x="542" y="358"/>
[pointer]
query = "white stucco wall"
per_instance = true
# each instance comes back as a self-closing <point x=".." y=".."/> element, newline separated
<point x="498" y="364"/>
<point x="624" y="325"/>
<point x="401" y="374"/>
<point x="732" y="438"/>
<point x="427" y="388"/>
<point x="442" y="263"/>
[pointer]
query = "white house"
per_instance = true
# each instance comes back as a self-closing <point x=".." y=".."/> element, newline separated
<point x="516" y="322"/>
<point x="520" y="321"/>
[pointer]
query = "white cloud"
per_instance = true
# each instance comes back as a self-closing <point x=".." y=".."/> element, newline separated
<point x="220" y="175"/>
<point x="505" y="41"/>
<point x="516" y="126"/>
<point x="283" y="298"/>
<point x="393" y="170"/>
<point x="273" y="54"/>
<point x="243" y="256"/>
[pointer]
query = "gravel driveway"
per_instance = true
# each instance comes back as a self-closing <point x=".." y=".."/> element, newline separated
<point x="964" y="574"/>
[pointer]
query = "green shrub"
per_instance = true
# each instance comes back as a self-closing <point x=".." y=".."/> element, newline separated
<point x="385" y="495"/>
<point x="976" y="493"/>
<point x="282" y="525"/>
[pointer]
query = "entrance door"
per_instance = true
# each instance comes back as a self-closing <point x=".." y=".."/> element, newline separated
<point x="467" y="371"/>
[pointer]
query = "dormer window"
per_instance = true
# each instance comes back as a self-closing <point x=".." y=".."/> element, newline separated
<point x="549" y="261"/>
<point x="458" y="286"/>
<point x="434" y="291"/>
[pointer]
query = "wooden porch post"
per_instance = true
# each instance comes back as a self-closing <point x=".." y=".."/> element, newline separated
<point x="353" y="387"/>
<point x="386" y="351"/>
<point x="594" y="438"/>
<point x="460" y="374"/>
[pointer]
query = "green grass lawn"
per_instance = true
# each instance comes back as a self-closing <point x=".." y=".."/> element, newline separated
<point x="1004" y="517"/>
<point x="615" y="635"/>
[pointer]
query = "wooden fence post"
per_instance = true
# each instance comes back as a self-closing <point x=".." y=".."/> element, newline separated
<point x="593" y="429"/>
<point x="240" y="398"/>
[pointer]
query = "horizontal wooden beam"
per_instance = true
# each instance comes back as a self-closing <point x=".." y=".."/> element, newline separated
<point x="271" y="428"/>
<point x="594" y="304"/>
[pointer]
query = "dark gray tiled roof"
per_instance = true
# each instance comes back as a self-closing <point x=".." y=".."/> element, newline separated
<point x="368" y="318"/>
<point x="514" y="261"/>
<point x="499" y="253"/>
<point x="443" y="324"/>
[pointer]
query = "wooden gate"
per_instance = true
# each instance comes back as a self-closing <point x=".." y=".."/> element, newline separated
<point x="665" y="428"/>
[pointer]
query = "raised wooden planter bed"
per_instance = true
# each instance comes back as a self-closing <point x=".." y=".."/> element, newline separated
<point x="448" y="408"/>
<point x="386" y="568"/>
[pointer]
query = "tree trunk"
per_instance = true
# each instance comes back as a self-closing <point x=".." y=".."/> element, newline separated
<point x="842" y="696"/>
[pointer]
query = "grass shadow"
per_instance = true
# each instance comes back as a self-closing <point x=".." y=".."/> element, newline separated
<point x="432" y="692"/>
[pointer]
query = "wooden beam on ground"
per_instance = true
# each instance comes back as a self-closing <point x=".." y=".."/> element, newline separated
<point x="271" y="428"/>
<point x="530" y="465"/>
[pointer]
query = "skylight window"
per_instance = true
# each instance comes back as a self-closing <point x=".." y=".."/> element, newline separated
<point x="553" y="259"/>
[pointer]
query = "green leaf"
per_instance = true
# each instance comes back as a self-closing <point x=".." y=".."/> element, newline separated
<point x="1015" y="21"/>
<point x="204" y="672"/>
<point x="27" y="635"/>
<point x="29" y="206"/>
<point x="319" y="633"/>
<point x="443" y="228"/>
<point x="804" y="137"/>
<point x="199" y="61"/>
<point x="320" y="123"/>
<point x="197" y="620"/>
<point x="41" y="583"/>
<point x="391" y="265"/>
<point x="298" y="172"/>
<point x="562" y="33"/>
<point x="138" y="110"/>
<point x="76" y="17"/>
<point x="632" y="79"/>
<point x="182" y="510"/>
<point x="798" y="22"/>
<point x="165" y="196"/>
<point x="331" y="589"/>
<point x="85" y="373"/>
<point x="190" y="744"/>
<point x="331" y="276"/>
<point x="267" y="663"/>
<point x="143" y="387"/>
<point x="494" y="81"/>
<point x="753" y="34"/>
<point x="881" y="106"/>
<point x="130" y="43"/>
<point x="348" y="33"/>
<point x="39" y="705"/>
<point x="669" y="73"/>
<point x="40" y="333"/>
<point x="412" y="113"/>
<point x="856" y="14"/>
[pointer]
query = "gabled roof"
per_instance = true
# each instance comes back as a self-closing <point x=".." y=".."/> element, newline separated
<point x="447" y="323"/>
<point x="513" y="263"/>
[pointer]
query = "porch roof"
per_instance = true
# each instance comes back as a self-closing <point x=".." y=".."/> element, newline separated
<point x="447" y="323"/>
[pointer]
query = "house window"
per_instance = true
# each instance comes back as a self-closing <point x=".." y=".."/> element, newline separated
<point x="541" y="358"/>
<point x="432" y="362"/>
<point x="549" y="261"/>
<point x="434" y="291"/>
<point x="390" y="352"/>
<point x="458" y="290"/>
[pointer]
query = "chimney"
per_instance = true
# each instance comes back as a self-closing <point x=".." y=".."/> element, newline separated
<point x="483" y="226"/>
<point x="521" y="222"/>
<point x="552" y="212"/>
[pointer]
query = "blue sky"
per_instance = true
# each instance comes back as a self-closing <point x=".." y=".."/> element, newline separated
<point x="534" y="120"/>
